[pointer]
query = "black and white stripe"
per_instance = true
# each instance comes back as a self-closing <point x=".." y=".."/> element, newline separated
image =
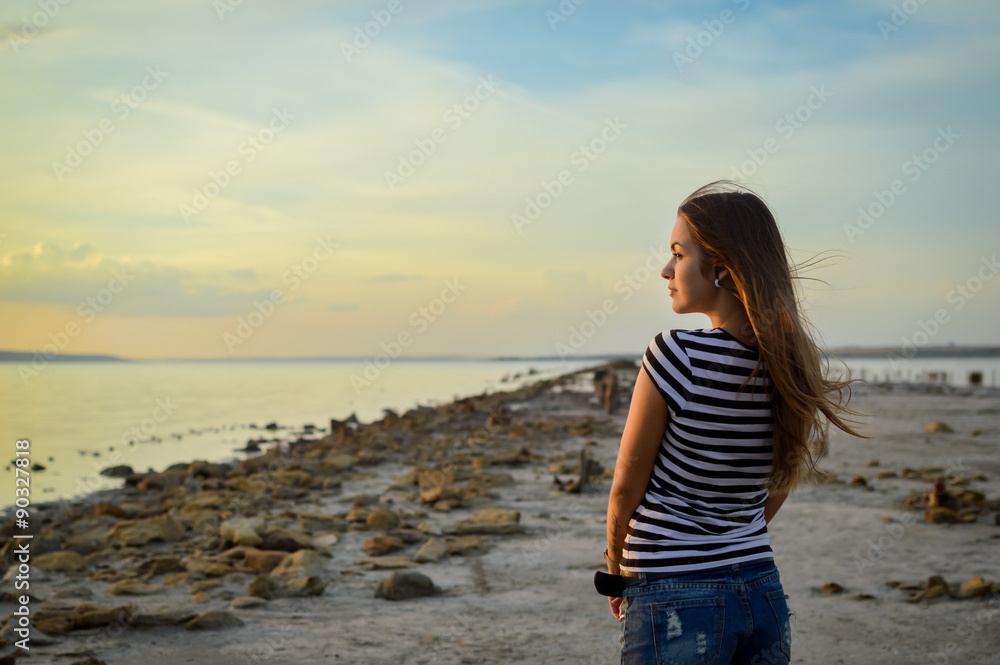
<point x="704" y="504"/>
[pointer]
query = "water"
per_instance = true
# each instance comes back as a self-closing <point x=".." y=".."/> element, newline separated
<point x="81" y="417"/>
<point x="951" y="371"/>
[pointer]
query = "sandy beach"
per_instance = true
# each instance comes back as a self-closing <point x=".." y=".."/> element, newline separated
<point x="471" y="509"/>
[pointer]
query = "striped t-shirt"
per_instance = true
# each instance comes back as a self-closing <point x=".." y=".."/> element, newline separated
<point x="704" y="503"/>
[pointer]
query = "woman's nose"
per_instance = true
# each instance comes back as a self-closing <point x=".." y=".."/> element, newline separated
<point x="665" y="273"/>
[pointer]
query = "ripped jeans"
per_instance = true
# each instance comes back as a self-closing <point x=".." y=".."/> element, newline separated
<point x="735" y="614"/>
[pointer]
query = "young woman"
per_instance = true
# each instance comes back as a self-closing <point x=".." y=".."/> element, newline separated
<point x="724" y="422"/>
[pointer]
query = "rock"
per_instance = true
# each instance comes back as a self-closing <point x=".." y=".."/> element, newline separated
<point x="133" y="587"/>
<point x="442" y="493"/>
<point x="432" y="550"/>
<point x="263" y="561"/>
<point x="402" y="585"/>
<point x="203" y="469"/>
<point x="263" y="586"/>
<point x="386" y="562"/>
<point x="938" y="427"/>
<point x="160" y="565"/>
<point x="884" y="475"/>
<point x="286" y="540"/>
<point x="302" y="587"/>
<point x="326" y="540"/>
<point x="831" y="588"/>
<point x="204" y="585"/>
<point x="117" y="471"/>
<point x="201" y="597"/>
<point x="489" y="521"/>
<point x="74" y="592"/>
<point x="110" y="509"/>
<point x="859" y="481"/>
<point x="139" y="532"/>
<point x="382" y="519"/>
<point x="319" y="522"/>
<point x="936" y="588"/>
<point x="465" y="544"/>
<point x="303" y="563"/>
<point x="242" y="531"/>
<point x="939" y="515"/>
<point x="380" y="545"/>
<point x="163" y="616"/>
<point x="975" y="588"/>
<point x="91" y="615"/>
<point x="247" y="602"/>
<point x="62" y="561"/>
<point x="54" y="625"/>
<point x="215" y="620"/>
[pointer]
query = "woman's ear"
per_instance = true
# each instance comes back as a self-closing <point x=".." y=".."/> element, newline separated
<point x="722" y="274"/>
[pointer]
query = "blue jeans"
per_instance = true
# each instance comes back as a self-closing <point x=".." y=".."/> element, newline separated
<point x="734" y="614"/>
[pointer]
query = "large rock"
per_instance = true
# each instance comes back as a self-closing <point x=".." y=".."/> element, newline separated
<point x="139" y="532"/>
<point x="242" y="531"/>
<point x="215" y="620"/>
<point x="263" y="561"/>
<point x="285" y="540"/>
<point x="381" y="519"/>
<point x="301" y="587"/>
<point x="489" y="521"/>
<point x="380" y="545"/>
<point x="133" y="587"/>
<point x="303" y="563"/>
<point x="91" y="615"/>
<point x="404" y="584"/>
<point x="62" y="561"/>
<point x="433" y="550"/>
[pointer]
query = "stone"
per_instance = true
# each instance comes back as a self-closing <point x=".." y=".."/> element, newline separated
<point x="204" y="585"/>
<point x="326" y="540"/>
<point x="263" y="561"/>
<point x="320" y="522"/>
<point x="63" y="561"/>
<point x="141" y="531"/>
<point x="247" y="602"/>
<point x="489" y="521"/>
<point x="975" y="588"/>
<point x="405" y="584"/>
<point x="303" y="563"/>
<point x="940" y="515"/>
<point x="386" y="562"/>
<point x="160" y="565"/>
<point x="432" y="550"/>
<point x="831" y="588"/>
<point x="242" y="531"/>
<point x="117" y="471"/>
<point x="382" y="519"/>
<point x="936" y="588"/>
<point x="133" y="587"/>
<point x="302" y="587"/>
<point x="859" y="481"/>
<point x="442" y="493"/>
<point x="287" y="540"/>
<point x="91" y="615"/>
<point x="466" y="544"/>
<point x="214" y="620"/>
<point x="163" y="616"/>
<point x="110" y="509"/>
<point x="884" y="475"/>
<point x="938" y="427"/>
<point x="54" y="625"/>
<point x="380" y="545"/>
<point x="201" y="597"/>
<point x="263" y="586"/>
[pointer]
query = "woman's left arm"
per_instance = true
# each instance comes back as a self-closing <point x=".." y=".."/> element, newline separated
<point x="644" y="428"/>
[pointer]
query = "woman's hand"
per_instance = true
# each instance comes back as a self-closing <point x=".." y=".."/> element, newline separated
<point x="616" y="608"/>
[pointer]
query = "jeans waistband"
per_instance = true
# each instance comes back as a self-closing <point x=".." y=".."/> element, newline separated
<point x="734" y="568"/>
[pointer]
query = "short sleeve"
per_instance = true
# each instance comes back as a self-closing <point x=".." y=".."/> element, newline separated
<point x="669" y="367"/>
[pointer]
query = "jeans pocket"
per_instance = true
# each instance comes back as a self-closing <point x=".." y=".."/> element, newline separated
<point x="778" y="601"/>
<point x="689" y="631"/>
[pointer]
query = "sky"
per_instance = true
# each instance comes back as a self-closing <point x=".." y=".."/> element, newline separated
<point x="240" y="178"/>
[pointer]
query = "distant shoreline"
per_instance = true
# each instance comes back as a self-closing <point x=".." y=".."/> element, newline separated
<point x="850" y="352"/>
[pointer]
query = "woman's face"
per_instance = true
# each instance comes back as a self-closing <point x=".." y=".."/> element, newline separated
<point x="690" y="289"/>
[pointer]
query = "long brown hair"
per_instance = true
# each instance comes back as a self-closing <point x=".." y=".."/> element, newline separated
<point x="737" y="231"/>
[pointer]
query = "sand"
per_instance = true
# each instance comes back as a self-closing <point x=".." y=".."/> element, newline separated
<point x="530" y="597"/>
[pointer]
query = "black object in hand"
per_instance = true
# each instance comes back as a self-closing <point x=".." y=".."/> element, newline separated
<point x="608" y="584"/>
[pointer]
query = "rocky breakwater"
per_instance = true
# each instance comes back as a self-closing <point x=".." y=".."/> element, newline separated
<point x="198" y="545"/>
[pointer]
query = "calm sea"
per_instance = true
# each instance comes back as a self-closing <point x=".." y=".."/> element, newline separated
<point x="81" y="417"/>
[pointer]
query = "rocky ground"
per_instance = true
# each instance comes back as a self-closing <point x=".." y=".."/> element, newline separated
<point x="469" y="533"/>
